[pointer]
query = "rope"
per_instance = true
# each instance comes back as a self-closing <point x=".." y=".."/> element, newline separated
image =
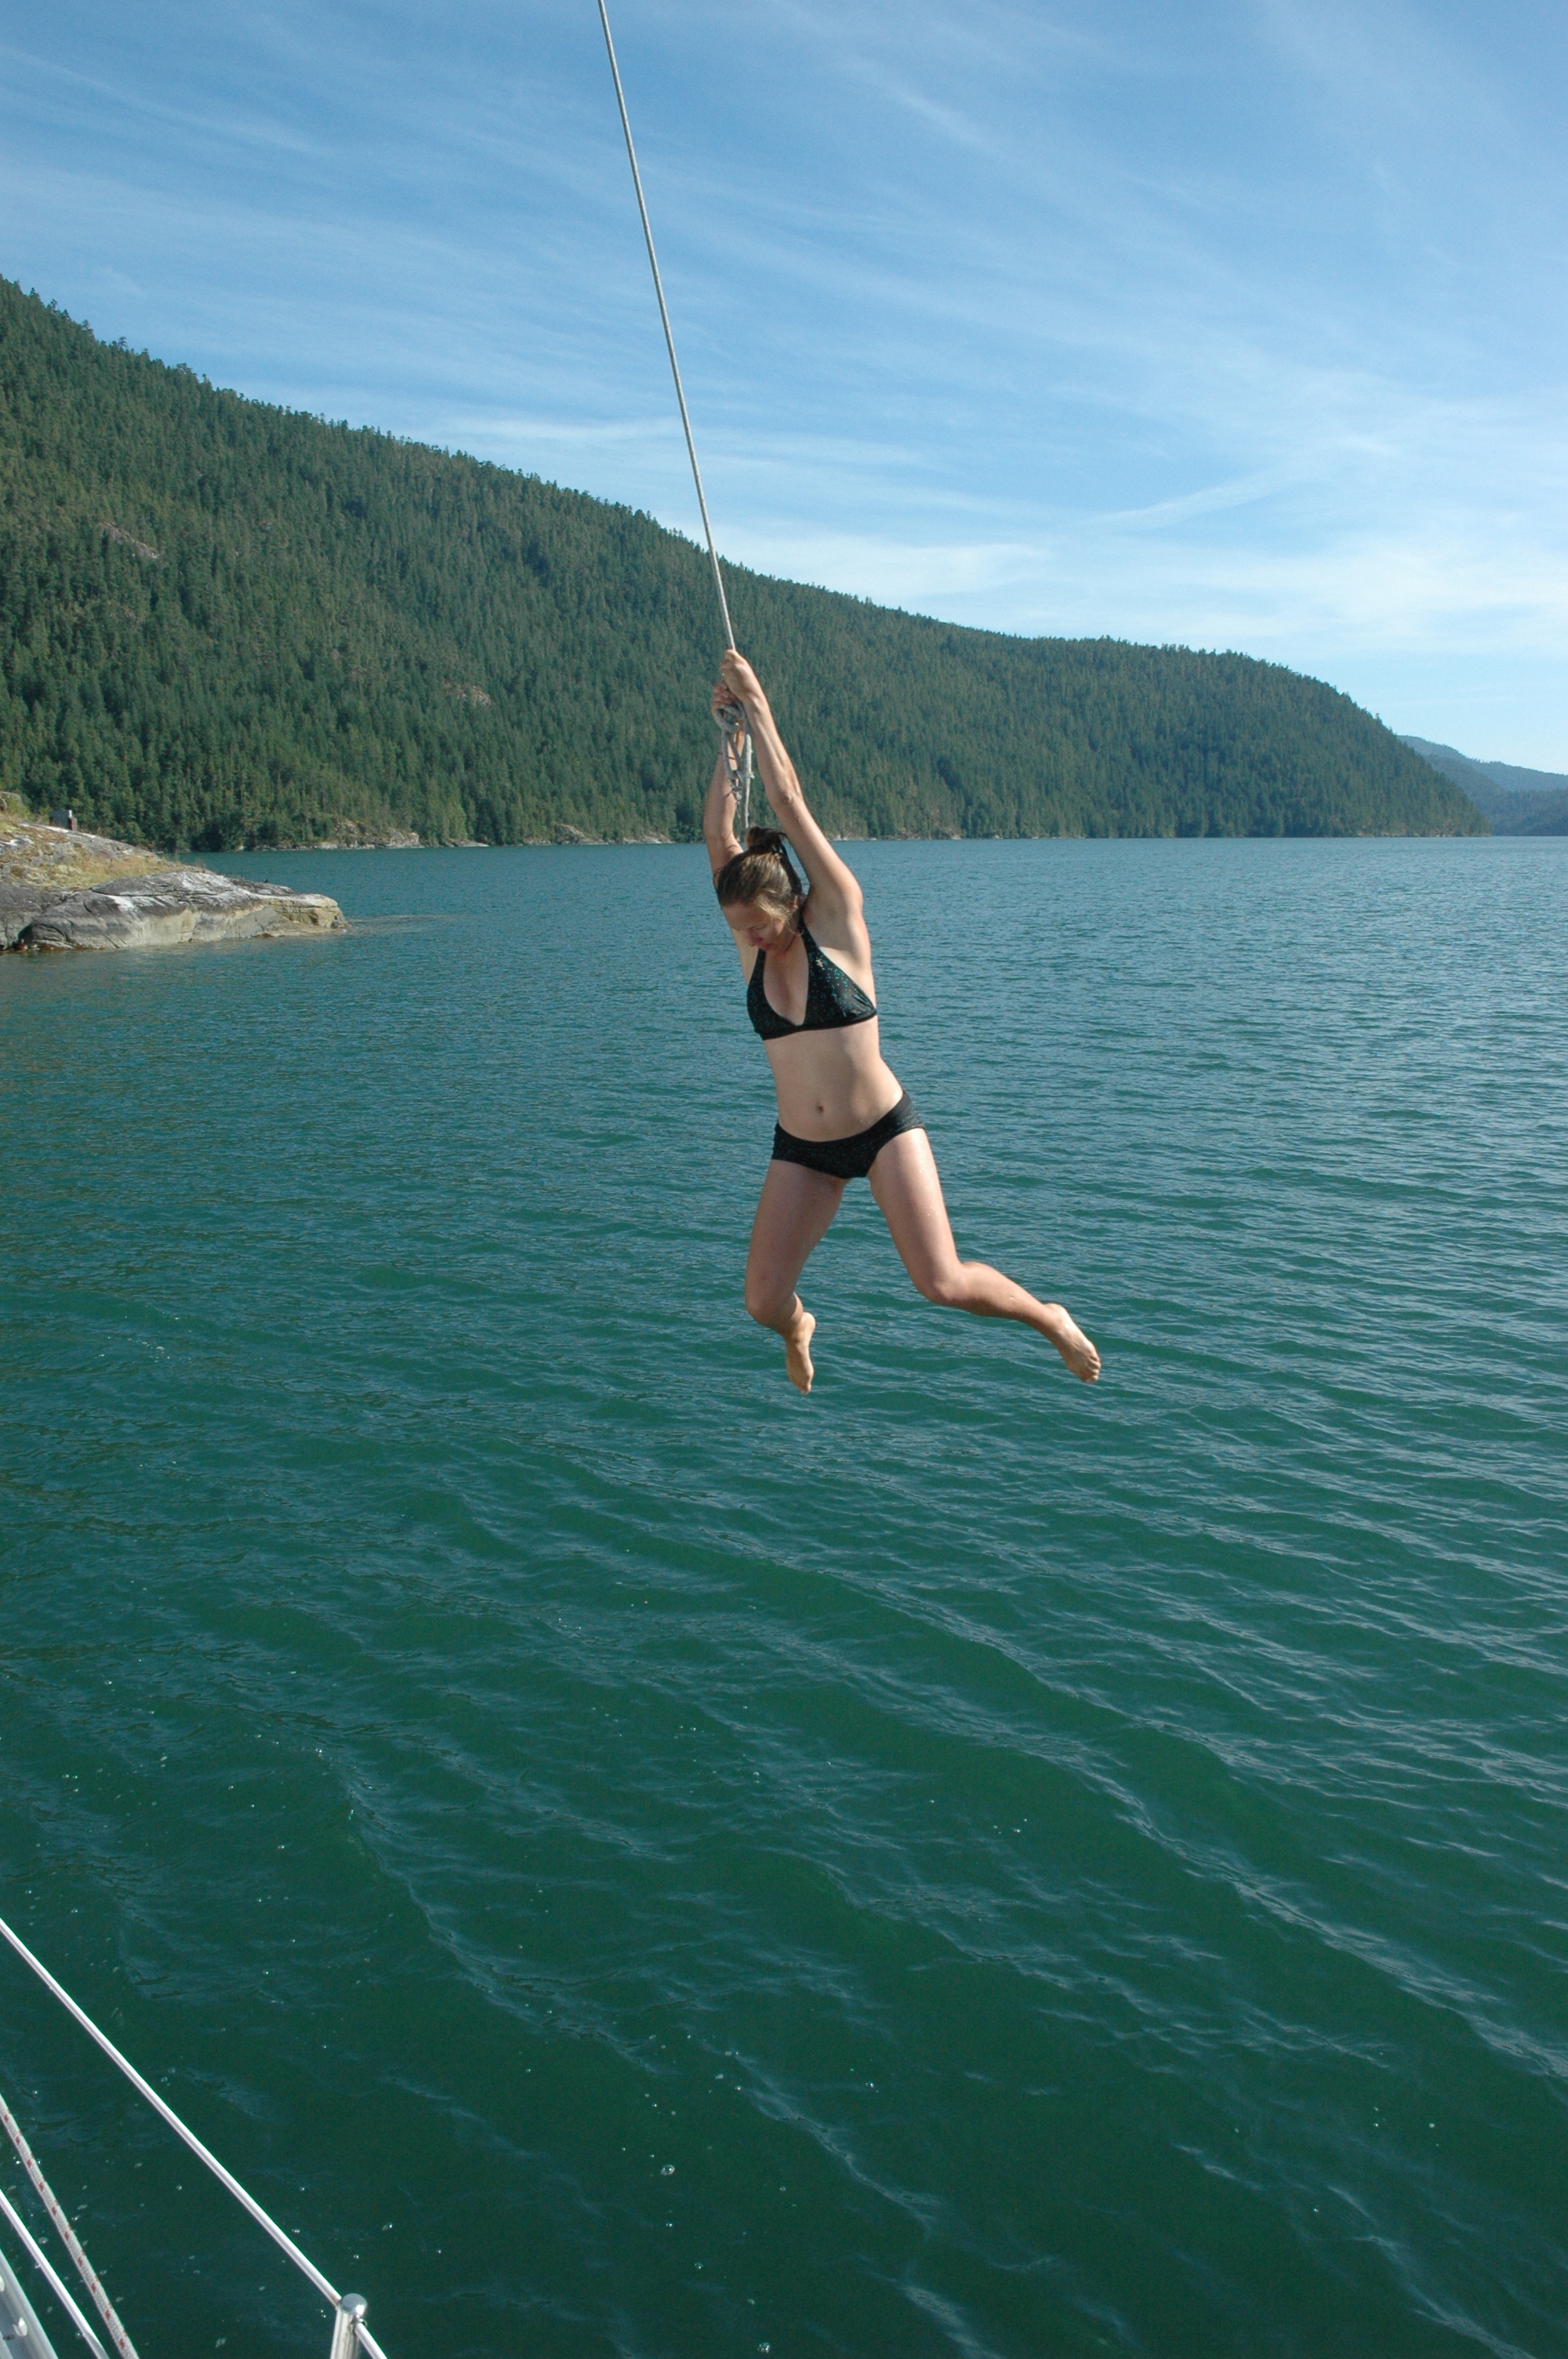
<point x="67" y="2236"/>
<point x="737" y="761"/>
<point x="203" y="2154"/>
<point x="669" y="332"/>
<point x="73" y="2309"/>
<point x="736" y="739"/>
<point x="62" y="2292"/>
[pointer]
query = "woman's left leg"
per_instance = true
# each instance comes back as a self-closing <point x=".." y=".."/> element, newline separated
<point x="794" y="1212"/>
<point x="905" y="1183"/>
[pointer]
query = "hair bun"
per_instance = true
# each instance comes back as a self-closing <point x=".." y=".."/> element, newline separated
<point x="765" y="873"/>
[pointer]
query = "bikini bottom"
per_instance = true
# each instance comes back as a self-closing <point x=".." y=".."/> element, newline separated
<point x="846" y="1158"/>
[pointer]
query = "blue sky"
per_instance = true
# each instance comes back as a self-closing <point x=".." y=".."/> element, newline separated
<point x="1238" y="323"/>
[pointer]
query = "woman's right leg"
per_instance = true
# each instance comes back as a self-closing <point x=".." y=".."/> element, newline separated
<point x="794" y="1212"/>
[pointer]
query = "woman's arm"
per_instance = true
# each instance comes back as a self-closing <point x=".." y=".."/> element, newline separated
<point x="719" y="810"/>
<point x="835" y="890"/>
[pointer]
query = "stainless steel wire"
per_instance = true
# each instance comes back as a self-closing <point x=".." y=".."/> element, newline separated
<point x="52" y="2277"/>
<point x="67" y="2234"/>
<point x="263" y="2219"/>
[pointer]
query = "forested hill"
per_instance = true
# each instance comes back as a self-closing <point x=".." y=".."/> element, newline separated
<point x="226" y="625"/>
<point x="1516" y="801"/>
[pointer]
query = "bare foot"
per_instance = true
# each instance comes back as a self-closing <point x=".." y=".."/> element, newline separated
<point x="1072" y="1343"/>
<point x="797" y="1352"/>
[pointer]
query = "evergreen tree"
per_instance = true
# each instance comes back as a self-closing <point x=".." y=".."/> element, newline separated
<point x="224" y="625"/>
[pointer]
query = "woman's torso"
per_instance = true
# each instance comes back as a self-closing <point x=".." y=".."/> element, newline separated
<point x="830" y="1079"/>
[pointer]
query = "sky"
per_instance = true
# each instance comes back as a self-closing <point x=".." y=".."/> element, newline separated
<point x="1230" y="323"/>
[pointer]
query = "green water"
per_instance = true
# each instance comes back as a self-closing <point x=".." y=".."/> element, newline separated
<point x="626" y="1861"/>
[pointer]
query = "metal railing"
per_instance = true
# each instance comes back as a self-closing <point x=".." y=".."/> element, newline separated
<point x="349" y="2332"/>
<point x="18" y="2319"/>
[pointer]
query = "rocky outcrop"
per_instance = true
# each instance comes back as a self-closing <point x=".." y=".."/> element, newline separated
<point x="566" y="834"/>
<point x="349" y="835"/>
<point x="61" y="890"/>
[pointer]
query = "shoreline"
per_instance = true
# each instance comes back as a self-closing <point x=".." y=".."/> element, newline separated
<point x="62" y="889"/>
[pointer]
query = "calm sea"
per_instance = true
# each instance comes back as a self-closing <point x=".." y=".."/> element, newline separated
<point x="625" y="1859"/>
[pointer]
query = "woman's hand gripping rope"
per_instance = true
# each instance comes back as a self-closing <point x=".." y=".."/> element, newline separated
<point x="736" y="739"/>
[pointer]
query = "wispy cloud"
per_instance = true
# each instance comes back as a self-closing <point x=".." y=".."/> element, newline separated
<point x="1235" y="326"/>
<point x="93" y="94"/>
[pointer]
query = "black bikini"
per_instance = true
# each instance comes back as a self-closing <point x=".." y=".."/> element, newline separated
<point x="833" y="1000"/>
<point x="851" y="1157"/>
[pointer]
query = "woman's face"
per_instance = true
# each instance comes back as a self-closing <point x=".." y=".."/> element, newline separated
<point x="756" y="925"/>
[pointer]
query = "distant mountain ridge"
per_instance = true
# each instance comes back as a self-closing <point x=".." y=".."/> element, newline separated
<point x="1517" y="801"/>
<point x="226" y="626"/>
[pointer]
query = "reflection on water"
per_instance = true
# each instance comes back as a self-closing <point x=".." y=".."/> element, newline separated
<point x="625" y="1859"/>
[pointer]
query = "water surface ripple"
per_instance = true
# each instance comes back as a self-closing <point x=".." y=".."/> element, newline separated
<point x="628" y="1861"/>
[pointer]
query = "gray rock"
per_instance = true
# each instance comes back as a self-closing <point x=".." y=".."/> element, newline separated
<point x="19" y="904"/>
<point x="159" y="910"/>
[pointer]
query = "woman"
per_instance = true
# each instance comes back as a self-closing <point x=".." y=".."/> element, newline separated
<point x="808" y="959"/>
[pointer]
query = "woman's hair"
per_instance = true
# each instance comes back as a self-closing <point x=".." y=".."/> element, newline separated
<point x="762" y="873"/>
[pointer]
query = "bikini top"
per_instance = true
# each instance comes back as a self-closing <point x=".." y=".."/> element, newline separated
<point x="832" y="998"/>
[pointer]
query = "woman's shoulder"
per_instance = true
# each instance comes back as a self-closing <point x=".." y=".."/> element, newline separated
<point x="845" y="944"/>
<point x="831" y="921"/>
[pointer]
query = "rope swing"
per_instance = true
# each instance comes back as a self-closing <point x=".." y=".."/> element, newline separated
<point x="731" y="719"/>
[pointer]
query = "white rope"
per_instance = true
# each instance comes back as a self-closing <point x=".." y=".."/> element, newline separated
<point x="203" y="2154"/>
<point x="736" y="739"/>
<point x="66" y="2299"/>
<point x="67" y="2236"/>
<point x="737" y="761"/>
<point x="669" y="332"/>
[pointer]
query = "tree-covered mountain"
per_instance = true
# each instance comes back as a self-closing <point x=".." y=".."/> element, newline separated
<point x="1517" y="801"/>
<point x="225" y="624"/>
